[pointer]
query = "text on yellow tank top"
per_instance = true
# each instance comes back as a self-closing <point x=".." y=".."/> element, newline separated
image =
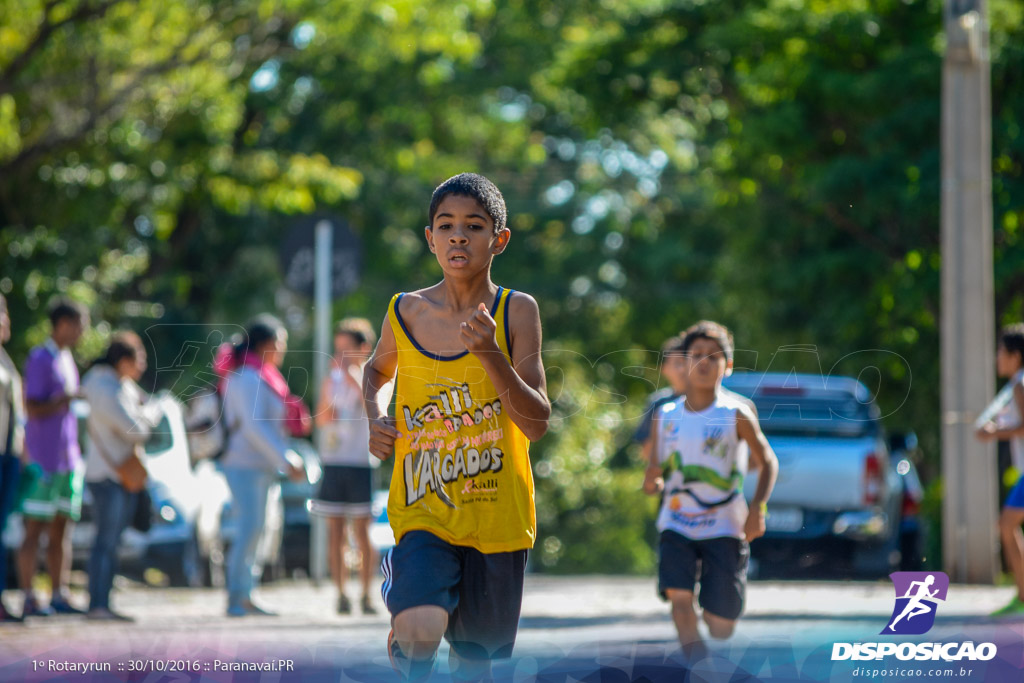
<point x="462" y="466"/>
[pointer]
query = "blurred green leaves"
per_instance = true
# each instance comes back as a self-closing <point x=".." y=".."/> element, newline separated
<point x="771" y="164"/>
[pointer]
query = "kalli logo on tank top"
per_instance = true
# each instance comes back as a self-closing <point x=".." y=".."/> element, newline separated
<point x="441" y="454"/>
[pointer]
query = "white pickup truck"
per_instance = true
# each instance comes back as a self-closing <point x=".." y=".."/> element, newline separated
<point x="837" y="502"/>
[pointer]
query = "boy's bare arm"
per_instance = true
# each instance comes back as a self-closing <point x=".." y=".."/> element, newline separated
<point x="762" y="456"/>
<point x="653" y="483"/>
<point x="647" y="449"/>
<point x="378" y="385"/>
<point x="522" y="385"/>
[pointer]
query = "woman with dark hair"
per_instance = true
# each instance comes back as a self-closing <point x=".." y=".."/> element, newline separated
<point x="261" y="413"/>
<point x="120" y="421"/>
<point x="12" y="439"/>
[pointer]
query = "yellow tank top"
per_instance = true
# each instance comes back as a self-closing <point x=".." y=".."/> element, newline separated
<point x="462" y="466"/>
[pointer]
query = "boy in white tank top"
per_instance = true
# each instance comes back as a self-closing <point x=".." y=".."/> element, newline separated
<point x="1009" y="426"/>
<point x="698" y="462"/>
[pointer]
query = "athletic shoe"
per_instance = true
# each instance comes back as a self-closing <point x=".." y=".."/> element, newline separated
<point x="34" y="609"/>
<point x="398" y="660"/>
<point x="104" y="614"/>
<point x="367" y="606"/>
<point x="237" y="611"/>
<point x="8" y="618"/>
<point x="62" y="606"/>
<point x="252" y="608"/>
<point x="1014" y="608"/>
<point x="413" y="670"/>
<point x="344" y="606"/>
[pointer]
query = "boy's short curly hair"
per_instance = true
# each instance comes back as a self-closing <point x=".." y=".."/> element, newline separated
<point x="673" y="345"/>
<point x="1011" y="338"/>
<point x="479" y="188"/>
<point x="708" y="329"/>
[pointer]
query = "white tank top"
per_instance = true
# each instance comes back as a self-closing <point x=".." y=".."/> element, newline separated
<point x="704" y="468"/>
<point x="345" y="440"/>
<point x="1008" y="418"/>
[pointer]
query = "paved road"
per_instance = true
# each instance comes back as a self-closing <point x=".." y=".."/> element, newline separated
<point x="570" y="626"/>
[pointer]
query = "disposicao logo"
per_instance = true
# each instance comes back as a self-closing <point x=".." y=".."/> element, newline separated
<point x="918" y="595"/>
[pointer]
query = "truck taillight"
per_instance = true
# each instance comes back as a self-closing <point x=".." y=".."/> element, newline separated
<point x="911" y="507"/>
<point x="872" y="480"/>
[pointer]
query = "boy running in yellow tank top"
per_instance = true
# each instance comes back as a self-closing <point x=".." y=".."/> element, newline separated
<point x="462" y="359"/>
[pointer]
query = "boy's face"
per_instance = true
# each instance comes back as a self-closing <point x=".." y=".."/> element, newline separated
<point x="462" y="236"/>
<point x="1007" y="362"/>
<point x="706" y="364"/>
<point x="675" y="369"/>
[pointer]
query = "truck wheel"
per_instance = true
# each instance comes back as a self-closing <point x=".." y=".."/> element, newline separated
<point x="190" y="571"/>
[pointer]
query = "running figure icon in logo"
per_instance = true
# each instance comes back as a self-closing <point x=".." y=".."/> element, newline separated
<point x="915" y="597"/>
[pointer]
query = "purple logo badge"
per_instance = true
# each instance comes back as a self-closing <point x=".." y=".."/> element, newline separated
<point x="918" y="595"/>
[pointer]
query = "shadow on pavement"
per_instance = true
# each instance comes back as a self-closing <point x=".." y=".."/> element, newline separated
<point x="577" y="622"/>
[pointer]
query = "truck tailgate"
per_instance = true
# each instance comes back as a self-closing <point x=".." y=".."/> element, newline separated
<point x="817" y="473"/>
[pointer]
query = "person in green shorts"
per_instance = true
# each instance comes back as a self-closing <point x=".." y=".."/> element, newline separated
<point x="54" y="502"/>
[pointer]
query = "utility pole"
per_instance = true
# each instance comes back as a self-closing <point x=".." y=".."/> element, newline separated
<point x="968" y="320"/>
<point x="324" y="234"/>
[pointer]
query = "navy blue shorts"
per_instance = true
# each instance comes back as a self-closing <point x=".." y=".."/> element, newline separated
<point x="718" y="565"/>
<point x="482" y="592"/>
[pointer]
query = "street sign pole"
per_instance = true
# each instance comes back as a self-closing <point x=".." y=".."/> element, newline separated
<point x="968" y="320"/>
<point x="322" y="327"/>
<point x="321" y="257"/>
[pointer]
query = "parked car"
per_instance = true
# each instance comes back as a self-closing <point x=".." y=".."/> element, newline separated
<point x="903" y="452"/>
<point x="297" y="521"/>
<point x="296" y="497"/>
<point x="177" y="497"/>
<point x="216" y="529"/>
<point x="192" y="521"/>
<point x="175" y="500"/>
<point x="838" y="502"/>
<point x="189" y="516"/>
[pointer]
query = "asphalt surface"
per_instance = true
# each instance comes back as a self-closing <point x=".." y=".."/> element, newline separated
<point x="572" y="628"/>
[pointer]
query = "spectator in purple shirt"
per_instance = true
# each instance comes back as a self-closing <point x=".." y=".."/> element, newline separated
<point x="54" y="502"/>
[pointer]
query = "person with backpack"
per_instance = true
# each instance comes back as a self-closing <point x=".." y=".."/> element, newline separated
<point x="260" y="415"/>
<point x="204" y="422"/>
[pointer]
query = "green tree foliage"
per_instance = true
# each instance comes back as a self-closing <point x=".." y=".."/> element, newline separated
<point x="771" y="164"/>
<point x="804" y="174"/>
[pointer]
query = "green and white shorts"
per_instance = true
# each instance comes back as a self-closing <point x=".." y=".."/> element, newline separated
<point x="54" y="493"/>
